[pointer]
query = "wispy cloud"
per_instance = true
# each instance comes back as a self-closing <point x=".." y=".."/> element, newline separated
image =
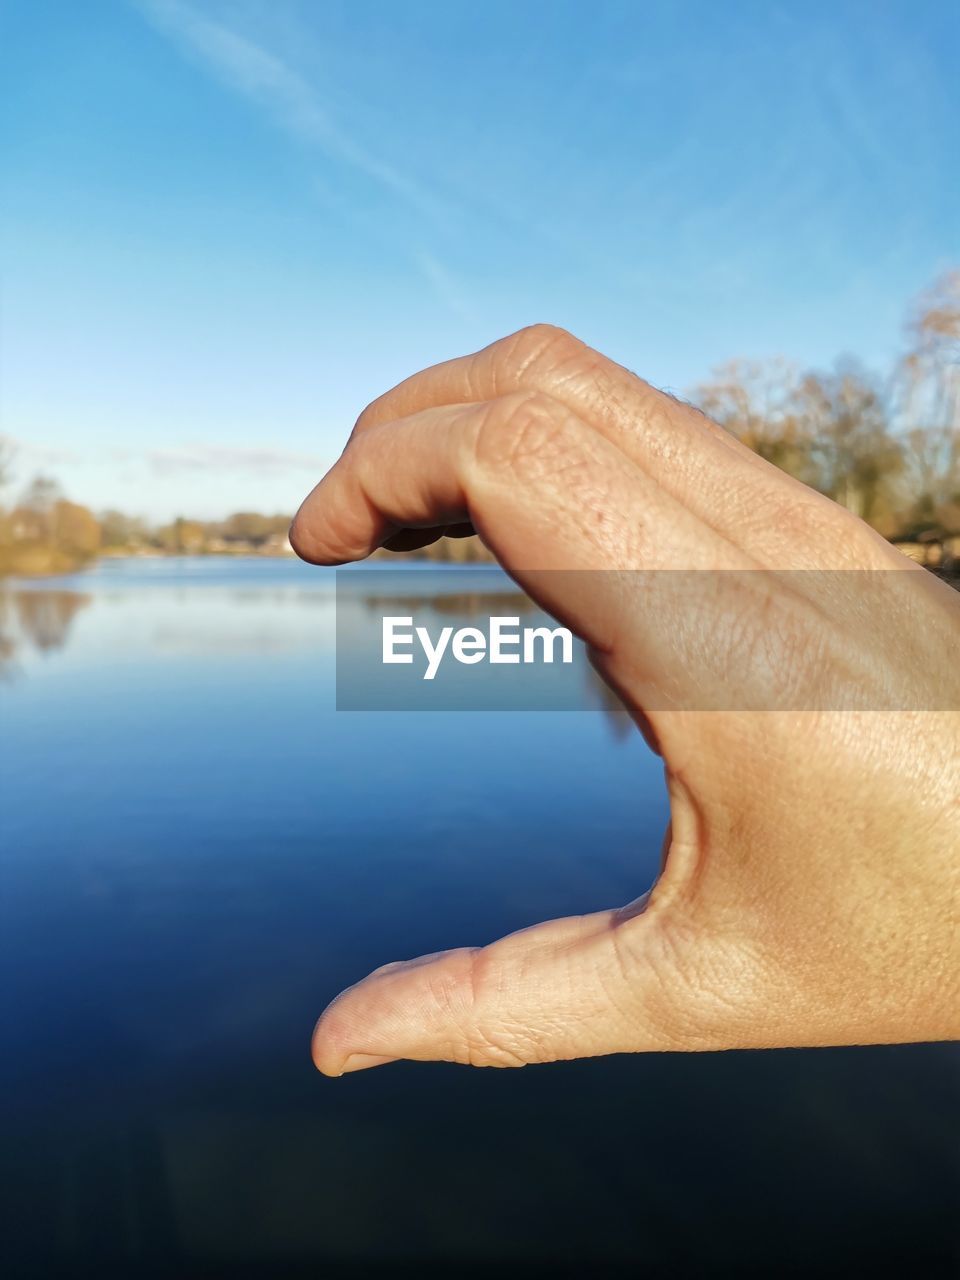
<point x="23" y="452"/>
<point x="223" y="458"/>
<point x="261" y="76"/>
<point x="444" y="284"/>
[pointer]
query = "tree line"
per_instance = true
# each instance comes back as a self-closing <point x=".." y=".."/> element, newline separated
<point x="887" y="447"/>
<point x="46" y="533"/>
<point x="884" y="445"/>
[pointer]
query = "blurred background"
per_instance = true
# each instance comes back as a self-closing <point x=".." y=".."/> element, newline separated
<point x="226" y="226"/>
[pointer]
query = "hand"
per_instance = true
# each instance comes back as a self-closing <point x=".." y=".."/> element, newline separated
<point x="809" y="887"/>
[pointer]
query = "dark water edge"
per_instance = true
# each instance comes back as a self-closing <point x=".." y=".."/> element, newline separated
<point x="197" y="853"/>
<point x="818" y="1161"/>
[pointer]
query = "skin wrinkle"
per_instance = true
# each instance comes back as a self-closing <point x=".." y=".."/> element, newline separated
<point x="619" y="990"/>
<point x="525" y="429"/>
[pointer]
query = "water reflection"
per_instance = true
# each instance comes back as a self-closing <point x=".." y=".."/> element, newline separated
<point x="260" y="619"/>
<point x="41" y="619"/>
<point x="467" y="604"/>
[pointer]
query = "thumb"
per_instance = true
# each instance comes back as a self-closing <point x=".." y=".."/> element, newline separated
<point x="609" y="982"/>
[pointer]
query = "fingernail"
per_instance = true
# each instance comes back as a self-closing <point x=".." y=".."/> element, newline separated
<point x="360" y="1062"/>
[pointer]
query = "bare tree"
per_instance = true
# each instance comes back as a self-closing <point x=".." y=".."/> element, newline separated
<point x="929" y="383"/>
<point x="845" y="417"/>
<point x="41" y="495"/>
<point x="7" y="454"/>
<point x="755" y="400"/>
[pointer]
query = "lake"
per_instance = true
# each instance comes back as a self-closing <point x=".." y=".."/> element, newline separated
<point x="199" y="851"/>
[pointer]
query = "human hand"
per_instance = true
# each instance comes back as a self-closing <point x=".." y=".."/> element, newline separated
<point x="810" y="887"/>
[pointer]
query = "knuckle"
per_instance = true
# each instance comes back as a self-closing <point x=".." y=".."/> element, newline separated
<point x="541" y="348"/>
<point x="369" y="417"/>
<point x="486" y="1037"/>
<point x="527" y="433"/>
<point x="533" y="340"/>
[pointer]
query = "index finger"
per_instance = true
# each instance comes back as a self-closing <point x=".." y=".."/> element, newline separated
<point x="697" y="462"/>
<point x="733" y="491"/>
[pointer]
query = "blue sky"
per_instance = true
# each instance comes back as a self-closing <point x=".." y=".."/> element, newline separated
<point x="228" y="224"/>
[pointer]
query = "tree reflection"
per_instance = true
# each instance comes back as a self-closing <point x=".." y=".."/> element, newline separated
<point x="39" y="620"/>
<point x="8" y="646"/>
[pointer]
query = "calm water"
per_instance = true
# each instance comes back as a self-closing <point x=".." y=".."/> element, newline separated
<point x="198" y="852"/>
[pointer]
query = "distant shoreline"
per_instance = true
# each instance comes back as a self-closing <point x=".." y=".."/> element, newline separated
<point x="35" y="563"/>
<point x="46" y="562"/>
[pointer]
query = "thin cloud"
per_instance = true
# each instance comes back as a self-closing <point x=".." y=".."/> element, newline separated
<point x="223" y="458"/>
<point x="39" y="455"/>
<point x="444" y="285"/>
<point x="293" y="102"/>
